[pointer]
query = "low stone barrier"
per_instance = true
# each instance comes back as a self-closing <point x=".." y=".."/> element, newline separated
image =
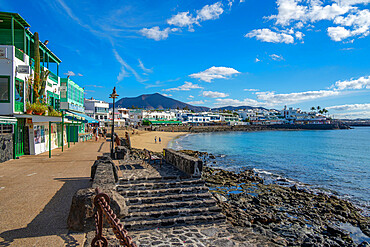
<point x="6" y="147"/>
<point x="104" y="176"/>
<point x="121" y="152"/>
<point x="190" y="165"/>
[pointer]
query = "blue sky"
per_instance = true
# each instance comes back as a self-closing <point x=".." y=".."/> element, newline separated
<point x="270" y="53"/>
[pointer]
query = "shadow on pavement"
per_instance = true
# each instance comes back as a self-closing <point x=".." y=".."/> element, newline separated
<point x="52" y="220"/>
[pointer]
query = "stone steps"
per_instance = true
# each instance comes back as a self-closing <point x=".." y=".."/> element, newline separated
<point x="167" y="191"/>
<point x="158" y="184"/>
<point x="198" y="219"/>
<point x="167" y="201"/>
<point x="167" y="198"/>
<point x="171" y="205"/>
<point x="168" y="213"/>
<point x="135" y="180"/>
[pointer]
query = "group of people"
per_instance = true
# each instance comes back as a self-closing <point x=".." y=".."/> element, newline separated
<point x="99" y="132"/>
<point x="159" y="139"/>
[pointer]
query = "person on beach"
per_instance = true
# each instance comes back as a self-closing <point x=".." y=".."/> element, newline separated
<point x="155" y="139"/>
<point x="159" y="139"/>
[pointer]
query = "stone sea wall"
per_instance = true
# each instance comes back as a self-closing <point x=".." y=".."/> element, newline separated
<point x="6" y="147"/>
<point x="190" y="165"/>
<point x="199" y="129"/>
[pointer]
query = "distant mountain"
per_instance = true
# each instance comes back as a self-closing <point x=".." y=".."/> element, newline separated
<point x="234" y="108"/>
<point x="156" y="101"/>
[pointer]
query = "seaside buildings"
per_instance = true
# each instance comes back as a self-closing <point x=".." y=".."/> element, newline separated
<point x="30" y="116"/>
<point x="97" y="109"/>
<point x="121" y="116"/>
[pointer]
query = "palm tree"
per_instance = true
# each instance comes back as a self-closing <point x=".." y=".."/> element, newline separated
<point x="318" y="108"/>
<point x="325" y="111"/>
<point x="313" y="108"/>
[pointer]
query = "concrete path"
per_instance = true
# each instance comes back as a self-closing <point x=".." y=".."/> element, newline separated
<point x="36" y="194"/>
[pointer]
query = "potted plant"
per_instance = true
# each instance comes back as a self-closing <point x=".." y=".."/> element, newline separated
<point x="28" y="108"/>
<point x="38" y="108"/>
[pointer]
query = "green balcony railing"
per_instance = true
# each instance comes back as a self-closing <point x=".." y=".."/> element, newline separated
<point x="53" y="77"/>
<point x="19" y="54"/>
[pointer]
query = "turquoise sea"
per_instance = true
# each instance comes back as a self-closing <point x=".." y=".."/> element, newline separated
<point x="334" y="161"/>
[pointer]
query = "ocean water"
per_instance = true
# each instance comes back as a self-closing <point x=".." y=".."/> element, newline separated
<point x="334" y="161"/>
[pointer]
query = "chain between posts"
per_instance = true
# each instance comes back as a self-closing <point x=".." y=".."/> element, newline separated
<point x="101" y="202"/>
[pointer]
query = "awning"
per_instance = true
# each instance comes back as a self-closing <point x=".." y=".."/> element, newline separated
<point x="81" y="117"/>
<point x="39" y="119"/>
<point x="8" y="120"/>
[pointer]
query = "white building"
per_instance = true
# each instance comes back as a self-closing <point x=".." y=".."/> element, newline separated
<point x="98" y="110"/>
<point x="136" y="116"/>
<point x="121" y="116"/>
<point x="299" y="117"/>
<point x="249" y="114"/>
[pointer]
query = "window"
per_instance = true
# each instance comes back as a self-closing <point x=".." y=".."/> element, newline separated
<point x="4" y="89"/>
<point x="6" y="129"/>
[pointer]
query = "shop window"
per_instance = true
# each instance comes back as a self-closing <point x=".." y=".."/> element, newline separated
<point x="19" y="92"/>
<point x="4" y="89"/>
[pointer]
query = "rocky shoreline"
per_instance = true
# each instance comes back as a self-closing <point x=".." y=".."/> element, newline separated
<point x="223" y="128"/>
<point x="286" y="215"/>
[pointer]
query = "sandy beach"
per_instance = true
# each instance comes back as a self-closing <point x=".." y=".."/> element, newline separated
<point x="145" y="139"/>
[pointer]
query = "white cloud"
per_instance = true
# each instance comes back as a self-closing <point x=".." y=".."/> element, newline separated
<point x="210" y="12"/>
<point x="191" y="96"/>
<point x="157" y="34"/>
<point x="167" y="95"/>
<point x="292" y="10"/>
<point x="211" y="94"/>
<point x="360" y="83"/>
<point x="266" y="35"/>
<point x="182" y="19"/>
<point x="274" y="99"/>
<point x="215" y="73"/>
<point x="235" y="102"/>
<point x="69" y="73"/>
<point x="124" y="67"/>
<point x="276" y="57"/>
<point x="199" y="102"/>
<point x="186" y="87"/>
<point x="352" y="107"/>
<point x="299" y="35"/>
<point x="250" y="90"/>
<point x="360" y="22"/>
<point x="354" y="2"/>
<point x="353" y="115"/>
<point x="288" y="10"/>
<point x="338" y="33"/>
<point x="141" y="65"/>
<point x="257" y="60"/>
<point x="301" y="13"/>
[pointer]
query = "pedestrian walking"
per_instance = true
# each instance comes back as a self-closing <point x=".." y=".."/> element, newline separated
<point x="155" y="139"/>
<point x="159" y="139"/>
<point x="95" y="132"/>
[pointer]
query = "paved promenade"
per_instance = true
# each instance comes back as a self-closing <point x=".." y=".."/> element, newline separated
<point x="36" y="193"/>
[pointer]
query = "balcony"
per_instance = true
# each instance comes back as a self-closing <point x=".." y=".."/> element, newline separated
<point x="53" y="77"/>
<point x="19" y="54"/>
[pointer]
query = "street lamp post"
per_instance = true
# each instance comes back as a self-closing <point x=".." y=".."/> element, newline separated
<point x="113" y="96"/>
